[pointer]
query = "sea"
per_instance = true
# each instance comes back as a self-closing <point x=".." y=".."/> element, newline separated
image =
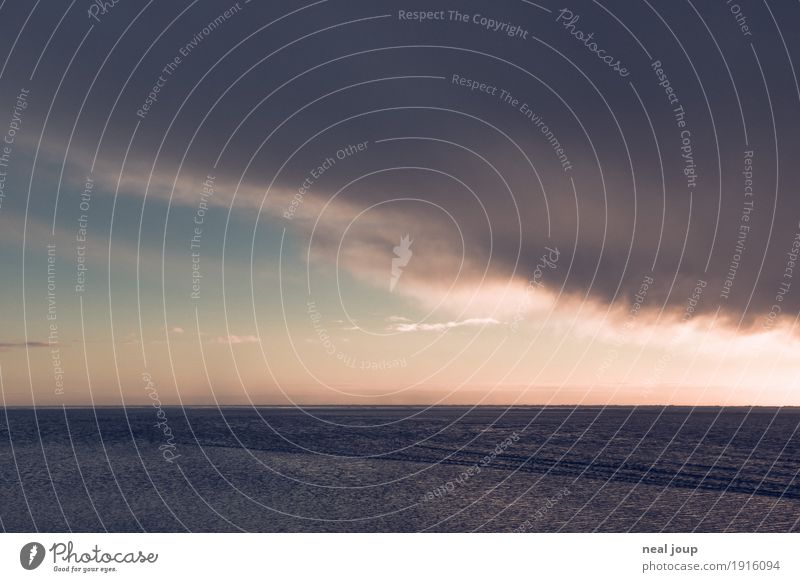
<point x="400" y="469"/>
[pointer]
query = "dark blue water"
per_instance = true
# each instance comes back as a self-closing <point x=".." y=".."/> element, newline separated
<point x="400" y="469"/>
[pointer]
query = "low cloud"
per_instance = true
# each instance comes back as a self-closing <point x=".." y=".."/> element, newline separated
<point x="236" y="339"/>
<point x="471" y="322"/>
<point x="5" y="346"/>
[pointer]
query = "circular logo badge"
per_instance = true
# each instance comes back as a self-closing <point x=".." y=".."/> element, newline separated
<point x="31" y="555"/>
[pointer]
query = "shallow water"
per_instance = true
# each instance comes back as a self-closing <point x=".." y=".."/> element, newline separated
<point x="400" y="469"/>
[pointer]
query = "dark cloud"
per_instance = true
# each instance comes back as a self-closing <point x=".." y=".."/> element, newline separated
<point x="272" y="94"/>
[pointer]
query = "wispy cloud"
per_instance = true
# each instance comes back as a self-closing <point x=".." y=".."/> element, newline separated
<point x="4" y="346"/>
<point x="471" y="322"/>
<point x="397" y="319"/>
<point x="236" y="339"/>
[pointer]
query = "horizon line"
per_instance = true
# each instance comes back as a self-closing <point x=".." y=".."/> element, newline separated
<point x="289" y="406"/>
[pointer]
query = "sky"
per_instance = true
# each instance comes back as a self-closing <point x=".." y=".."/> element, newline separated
<point x="381" y="203"/>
